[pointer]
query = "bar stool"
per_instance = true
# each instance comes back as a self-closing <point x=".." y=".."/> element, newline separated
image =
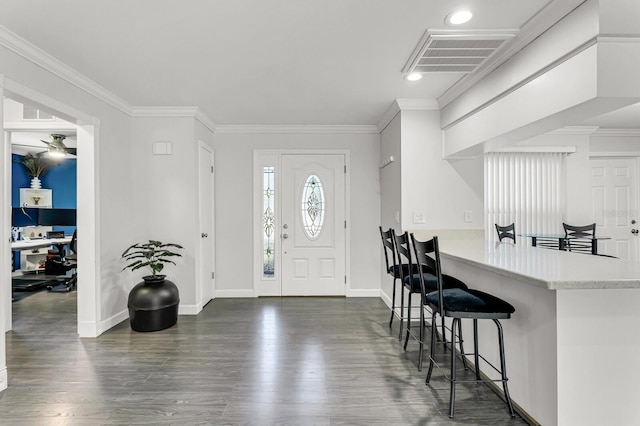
<point x="426" y="282"/>
<point x="395" y="269"/>
<point x="457" y="304"/>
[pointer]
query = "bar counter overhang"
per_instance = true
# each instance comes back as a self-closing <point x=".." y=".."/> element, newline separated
<point x="573" y="344"/>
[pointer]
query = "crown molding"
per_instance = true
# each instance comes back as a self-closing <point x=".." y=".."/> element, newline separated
<point x="22" y="47"/>
<point x="574" y="130"/>
<point x="163" y="111"/>
<point x="405" y="105"/>
<point x="299" y="129"/>
<point x="619" y="133"/>
<point x="532" y="29"/>
<point x="568" y="149"/>
<point x="205" y="120"/>
<point x="175" y="111"/>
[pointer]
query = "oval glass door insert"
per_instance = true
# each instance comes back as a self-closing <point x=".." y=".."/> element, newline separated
<point x="312" y="207"/>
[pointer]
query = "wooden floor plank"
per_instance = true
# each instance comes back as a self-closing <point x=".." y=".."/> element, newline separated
<point x="264" y="361"/>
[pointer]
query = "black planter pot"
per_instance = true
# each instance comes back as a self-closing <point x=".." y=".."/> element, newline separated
<point x="153" y="304"/>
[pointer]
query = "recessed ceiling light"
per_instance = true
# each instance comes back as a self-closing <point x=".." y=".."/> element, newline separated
<point x="458" y="17"/>
<point x="414" y="76"/>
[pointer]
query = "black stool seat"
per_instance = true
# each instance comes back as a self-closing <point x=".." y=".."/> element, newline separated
<point x="469" y="303"/>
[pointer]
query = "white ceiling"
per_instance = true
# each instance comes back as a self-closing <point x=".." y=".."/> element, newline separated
<point x="261" y="62"/>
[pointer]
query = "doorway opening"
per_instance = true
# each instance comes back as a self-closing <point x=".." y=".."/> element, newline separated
<point x="87" y="305"/>
<point x="43" y="211"/>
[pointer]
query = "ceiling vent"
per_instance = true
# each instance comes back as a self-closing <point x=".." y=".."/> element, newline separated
<point x="455" y="51"/>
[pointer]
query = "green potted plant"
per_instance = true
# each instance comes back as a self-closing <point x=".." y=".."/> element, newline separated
<point x="35" y="166"/>
<point x="153" y="303"/>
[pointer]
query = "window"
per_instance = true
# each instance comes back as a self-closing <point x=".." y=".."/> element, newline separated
<point x="527" y="189"/>
<point x="268" y="221"/>
<point x="312" y="207"/>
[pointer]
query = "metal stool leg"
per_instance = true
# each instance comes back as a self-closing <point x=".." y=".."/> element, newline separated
<point x="401" y="309"/>
<point x="461" y="341"/>
<point x="476" y="357"/>
<point x="432" y="351"/>
<point x="503" y="368"/>
<point x="452" y="392"/>
<point x="408" y="327"/>
<point x="421" y="343"/>
<point x="393" y="302"/>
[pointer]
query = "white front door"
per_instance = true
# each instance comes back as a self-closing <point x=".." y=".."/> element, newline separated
<point x="312" y="226"/>
<point x="615" y="205"/>
<point x="205" y="217"/>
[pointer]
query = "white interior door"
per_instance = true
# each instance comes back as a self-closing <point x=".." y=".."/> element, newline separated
<point x="313" y="243"/>
<point x="615" y="205"/>
<point x="205" y="206"/>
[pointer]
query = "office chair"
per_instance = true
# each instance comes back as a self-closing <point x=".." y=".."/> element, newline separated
<point x="68" y="263"/>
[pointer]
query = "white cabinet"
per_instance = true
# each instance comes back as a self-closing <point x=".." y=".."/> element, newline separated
<point x="33" y="260"/>
<point x="30" y="197"/>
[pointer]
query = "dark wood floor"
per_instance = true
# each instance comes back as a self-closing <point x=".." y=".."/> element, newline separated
<point x="266" y="361"/>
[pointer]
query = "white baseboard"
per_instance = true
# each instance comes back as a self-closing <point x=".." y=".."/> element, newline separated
<point x="363" y="292"/>
<point x="4" y="381"/>
<point x="112" y="321"/>
<point x="189" y="309"/>
<point x="88" y="329"/>
<point x="234" y="293"/>
<point x="385" y="298"/>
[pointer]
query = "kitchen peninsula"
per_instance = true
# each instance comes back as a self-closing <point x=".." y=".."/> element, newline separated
<point x="572" y="345"/>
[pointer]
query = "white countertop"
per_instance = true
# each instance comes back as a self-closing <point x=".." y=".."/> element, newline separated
<point x="550" y="269"/>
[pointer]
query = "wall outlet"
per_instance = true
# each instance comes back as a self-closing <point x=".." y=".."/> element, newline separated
<point x="419" y="217"/>
<point x="468" y="216"/>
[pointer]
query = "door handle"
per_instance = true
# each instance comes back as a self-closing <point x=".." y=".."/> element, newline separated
<point x="634" y="231"/>
<point x="204" y="235"/>
<point x="285" y="236"/>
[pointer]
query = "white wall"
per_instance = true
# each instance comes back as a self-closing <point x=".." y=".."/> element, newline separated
<point x="608" y="143"/>
<point x="390" y="180"/>
<point x="234" y="208"/>
<point x="441" y="189"/>
<point x="165" y="205"/>
<point x="421" y="181"/>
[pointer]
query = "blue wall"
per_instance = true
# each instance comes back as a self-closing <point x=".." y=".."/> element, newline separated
<point x="61" y="178"/>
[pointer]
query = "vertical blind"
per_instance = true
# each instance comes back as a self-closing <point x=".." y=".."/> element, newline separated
<point x="527" y="189"/>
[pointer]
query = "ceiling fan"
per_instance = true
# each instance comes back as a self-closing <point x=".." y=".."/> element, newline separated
<point x="57" y="148"/>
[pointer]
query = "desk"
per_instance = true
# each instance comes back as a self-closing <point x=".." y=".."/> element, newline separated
<point x="563" y="239"/>
<point x="24" y="245"/>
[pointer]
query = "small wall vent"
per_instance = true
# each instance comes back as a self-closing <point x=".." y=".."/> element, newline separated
<point x="455" y="51"/>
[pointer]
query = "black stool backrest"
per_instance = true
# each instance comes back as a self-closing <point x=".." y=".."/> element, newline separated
<point x="586" y="231"/>
<point x="388" y="245"/>
<point x="508" y="231"/>
<point x="403" y="248"/>
<point x="428" y="255"/>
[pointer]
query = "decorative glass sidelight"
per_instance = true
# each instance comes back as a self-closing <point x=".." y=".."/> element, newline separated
<point x="268" y="221"/>
<point x="312" y="207"/>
